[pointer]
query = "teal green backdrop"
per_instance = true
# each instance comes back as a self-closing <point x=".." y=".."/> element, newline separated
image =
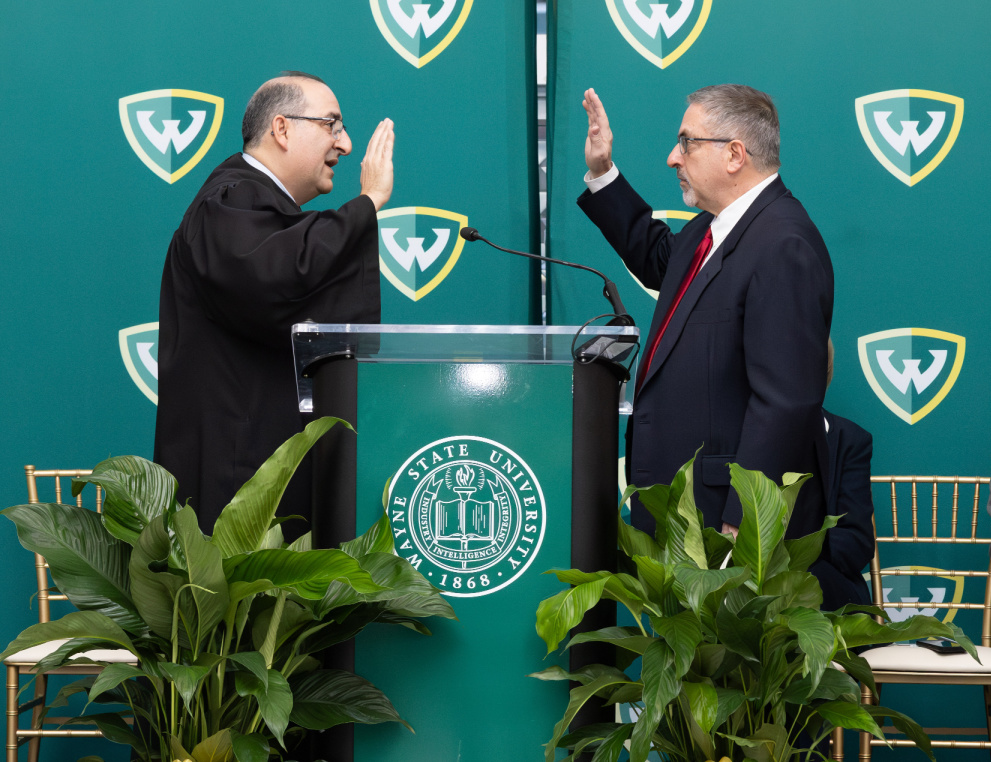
<point x="86" y="222"/>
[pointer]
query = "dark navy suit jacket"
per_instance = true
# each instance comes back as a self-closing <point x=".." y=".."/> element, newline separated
<point x="849" y="545"/>
<point x="741" y="369"/>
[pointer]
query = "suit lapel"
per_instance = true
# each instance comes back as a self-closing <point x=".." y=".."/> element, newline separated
<point x="709" y="271"/>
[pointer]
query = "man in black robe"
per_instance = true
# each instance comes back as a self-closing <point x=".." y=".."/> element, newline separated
<point x="246" y="264"/>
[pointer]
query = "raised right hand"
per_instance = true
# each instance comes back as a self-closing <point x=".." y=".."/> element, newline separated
<point x="598" y="144"/>
<point x="376" y="167"/>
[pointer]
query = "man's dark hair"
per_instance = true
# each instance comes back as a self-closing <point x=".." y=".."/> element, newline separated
<point x="273" y="98"/>
<point x="743" y="113"/>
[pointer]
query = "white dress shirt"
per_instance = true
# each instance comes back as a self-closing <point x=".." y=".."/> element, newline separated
<point x="262" y="168"/>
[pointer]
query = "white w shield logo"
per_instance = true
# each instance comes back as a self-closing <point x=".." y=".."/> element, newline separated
<point x="909" y="132"/>
<point x="418" y="247"/>
<point x="139" y="350"/>
<point x="911" y="370"/>
<point x="660" y="31"/>
<point x="171" y="130"/>
<point x="418" y="35"/>
<point x="940" y="587"/>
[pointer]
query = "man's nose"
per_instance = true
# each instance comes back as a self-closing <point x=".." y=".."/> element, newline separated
<point x="343" y="144"/>
<point x="674" y="158"/>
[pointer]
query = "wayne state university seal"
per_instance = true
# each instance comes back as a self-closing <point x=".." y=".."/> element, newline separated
<point x="468" y="513"/>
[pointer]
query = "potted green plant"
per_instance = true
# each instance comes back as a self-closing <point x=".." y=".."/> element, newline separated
<point x="225" y="628"/>
<point x="737" y="659"/>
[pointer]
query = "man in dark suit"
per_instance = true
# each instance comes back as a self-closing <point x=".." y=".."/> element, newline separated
<point x="245" y="264"/>
<point x="745" y="290"/>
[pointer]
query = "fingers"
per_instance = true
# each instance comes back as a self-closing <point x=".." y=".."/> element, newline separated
<point x="376" y="167"/>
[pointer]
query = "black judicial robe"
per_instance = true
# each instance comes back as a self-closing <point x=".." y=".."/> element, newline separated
<point x="244" y="265"/>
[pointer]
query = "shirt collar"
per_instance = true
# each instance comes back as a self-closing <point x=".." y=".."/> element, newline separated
<point x="251" y="160"/>
<point x="726" y="220"/>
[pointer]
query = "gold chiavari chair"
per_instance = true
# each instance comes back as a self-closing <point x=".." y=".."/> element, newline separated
<point x="935" y="521"/>
<point x="25" y="662"/>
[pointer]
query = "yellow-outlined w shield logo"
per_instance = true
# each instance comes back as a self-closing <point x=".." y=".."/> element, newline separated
<point x="657" y="36"/>
<point x="139" y="349"/>
<point x="418" y="36"/>
<point x="890" y="124"/>
<point x="414" y="269"/>
<point x="168" y="129"/>
<point x="892" y="363"/>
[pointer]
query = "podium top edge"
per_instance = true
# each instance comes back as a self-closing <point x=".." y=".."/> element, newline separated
<point x="510" y="330"/>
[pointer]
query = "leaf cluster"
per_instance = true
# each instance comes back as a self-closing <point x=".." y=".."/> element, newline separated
<point x="737" y="660"/>
<point x="224" y="628"/>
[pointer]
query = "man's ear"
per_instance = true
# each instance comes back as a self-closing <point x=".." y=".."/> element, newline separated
<point x="737" y="156"/>
<point x="280" y="131"/>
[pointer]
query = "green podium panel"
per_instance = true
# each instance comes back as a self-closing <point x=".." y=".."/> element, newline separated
<point x="480" y="501"/>
<point x="495" y="447"/>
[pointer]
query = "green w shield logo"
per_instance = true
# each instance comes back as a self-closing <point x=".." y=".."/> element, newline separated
<point x="911" y="370"/>
<point x="171" y="130"/>
<point x="139" y="348"/>
<point x="419" y="30"/>
<point x="909" y="131"/>
<point x="660" y="32"/>
<point x="418" y="247"/>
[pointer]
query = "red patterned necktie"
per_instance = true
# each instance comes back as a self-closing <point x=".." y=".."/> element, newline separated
<point x="705" y="245"/>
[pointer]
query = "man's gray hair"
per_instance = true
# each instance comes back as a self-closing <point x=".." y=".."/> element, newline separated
<point x="277" y="96"/>
<point x="743" y="113"/>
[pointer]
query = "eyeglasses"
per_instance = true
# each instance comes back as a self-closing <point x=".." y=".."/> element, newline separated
<point x="683" y="141"/>
<point x="332" y="123"/>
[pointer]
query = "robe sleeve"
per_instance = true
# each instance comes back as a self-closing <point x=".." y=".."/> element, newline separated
<point x="259" y="264"/>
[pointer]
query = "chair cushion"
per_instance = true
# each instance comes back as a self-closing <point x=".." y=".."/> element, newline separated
<point x="37" y="653"/>
<point x="913" y="658"/>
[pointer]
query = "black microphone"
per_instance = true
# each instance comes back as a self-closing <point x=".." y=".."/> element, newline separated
<point x="609" y="290"/>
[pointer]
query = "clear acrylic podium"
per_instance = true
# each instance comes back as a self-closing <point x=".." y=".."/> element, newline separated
<point x="498" y="445"/>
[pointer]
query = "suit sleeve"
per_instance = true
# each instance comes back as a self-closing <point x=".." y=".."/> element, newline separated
<point x="787" y="313"/>
<point x="626" y="222"/>
<point x="258" y="263"/>
<point x="850" y="545"/>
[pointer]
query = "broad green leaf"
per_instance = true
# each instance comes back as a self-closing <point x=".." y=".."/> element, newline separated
<point x="112" y="676"/>
<point x="253" y="748"/>
<point x="805" y="551"/>
<point x="153" y="587"/>
<point x="764" y="522"/>
<point x="137" y="492"/>
<point x="206" y="574"/>
<point x="849" y="715"/>
<point x="857" y="667"/>
<point x="378" y="539"/>
<point x="87" y="563"/>
<point x="682" y="633"/>
<point x="703" y="702"/>
<point x="773" y="743"/>
<point x="629" y="638"/>
<point x="613" y="744"/>
<point x="698" y="584"/>
<point x="684" y="525"/>
<point x="115" y="729"/>
<point x="741" y="635"/>
<point x="75" y="624"/>
<point x="307" y="573"/>
<point x="216" y="748"/>
<point x="253" y="662"/>
<point x="833" y="684"/>
<point x="815" y="638"/>
<point x="559" y="613"/>
<point x="243" y="524"/>
<point x="793" y="588"/>
<point x="906" y="725"/>
<point x="728" y="701"/>
<point x="276" y="704"/>
<point x="655" y="578"/>
<point x="633" y="542"/>
<point x="587" y="674"/>
<point x="577" y="699"/>
<point x="655" y="499"/>
<point x="303" y="542"/>
<point x="660" y="683"/>
<point x="67" y="650"/>
<point x="186" y="679"/>
<point x="717" y="546"/>
<point x="330" y="697"/>
<point x="863" y="630"/>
